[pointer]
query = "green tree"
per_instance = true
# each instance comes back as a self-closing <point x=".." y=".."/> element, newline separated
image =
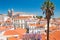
<point x="48" y="10"/>
<point x="39" y="17"/>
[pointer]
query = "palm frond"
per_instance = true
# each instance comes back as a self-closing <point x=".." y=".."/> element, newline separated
<point x="49" y="6"/>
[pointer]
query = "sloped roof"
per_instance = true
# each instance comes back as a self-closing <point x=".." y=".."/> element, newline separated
<point x="37" y="25"/>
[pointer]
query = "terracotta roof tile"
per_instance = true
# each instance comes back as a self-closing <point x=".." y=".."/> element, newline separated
<point x="37" y="25"/>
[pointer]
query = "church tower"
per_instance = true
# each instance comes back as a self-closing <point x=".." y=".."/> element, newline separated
<point x="10" y="13"/>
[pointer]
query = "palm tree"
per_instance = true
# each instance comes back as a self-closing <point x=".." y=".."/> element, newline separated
<point x="48" y="9"/>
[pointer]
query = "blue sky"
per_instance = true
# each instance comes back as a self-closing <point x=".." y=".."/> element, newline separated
<point x="30" y="6"/>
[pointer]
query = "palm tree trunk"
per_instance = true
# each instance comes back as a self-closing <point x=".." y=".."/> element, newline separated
<point x="48" y="19"/>
<point x="48" y="29"/>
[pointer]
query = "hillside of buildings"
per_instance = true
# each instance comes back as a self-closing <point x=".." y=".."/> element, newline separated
<point x="18" y="25"/>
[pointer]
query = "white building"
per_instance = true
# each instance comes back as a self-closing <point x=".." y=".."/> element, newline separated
<point x="21" y="19"/>
<point x="3" y="18"/>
